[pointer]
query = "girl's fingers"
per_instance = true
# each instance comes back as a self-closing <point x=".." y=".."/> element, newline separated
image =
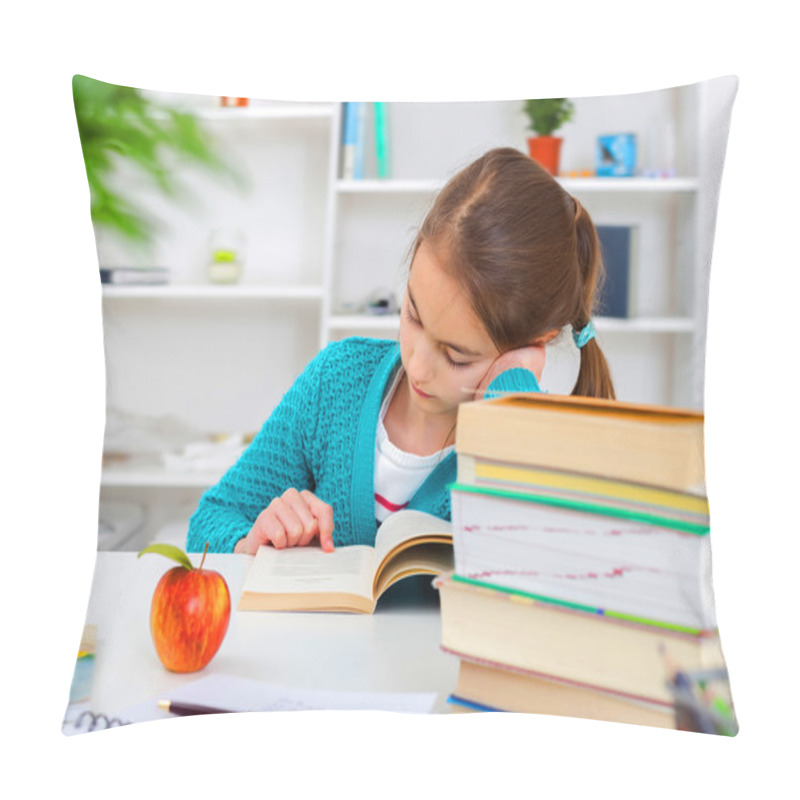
<point x="267" y="529"/>
<point x="323" y="513"/>
<point x="294" y="519"/>
<point x="288" y="521"/>
<point x="302" y="520"/>
<point x="247" y="545"/>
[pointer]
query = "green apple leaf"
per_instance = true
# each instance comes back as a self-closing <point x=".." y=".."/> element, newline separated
<point x="170" y="551"/>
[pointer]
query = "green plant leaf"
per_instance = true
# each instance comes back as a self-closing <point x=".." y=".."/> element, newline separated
<point x="170" y="551"/>
<point x="122" y="126"/>
<point x="547" y="115"/>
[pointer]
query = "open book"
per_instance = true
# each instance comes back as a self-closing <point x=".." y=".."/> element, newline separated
<point x="350" y="578"/>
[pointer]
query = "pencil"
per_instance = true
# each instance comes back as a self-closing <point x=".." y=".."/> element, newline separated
<point x="189" y="709"/>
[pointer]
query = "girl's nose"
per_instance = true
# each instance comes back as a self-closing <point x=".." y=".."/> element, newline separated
<point x="420" y="365"/>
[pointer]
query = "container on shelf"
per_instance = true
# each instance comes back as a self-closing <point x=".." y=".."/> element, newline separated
<point x="226" y="260"/>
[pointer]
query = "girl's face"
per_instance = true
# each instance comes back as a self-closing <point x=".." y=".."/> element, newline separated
<point x="444" y="347"/>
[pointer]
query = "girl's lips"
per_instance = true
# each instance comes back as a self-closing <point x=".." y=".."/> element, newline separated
<point x="420" y="392"/>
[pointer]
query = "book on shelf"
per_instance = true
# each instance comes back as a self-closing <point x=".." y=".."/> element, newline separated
<point x="380" y="119"/>
<point x="351" y="578"/>
<point x="359" y="158"/>
<point x="489" y="686"/>
<point x="632" y="563"/>
<point x="348" y="141"/>
<point x="647" y="444"/>
<point x="618" y="245"/>
<point x="134" y="276"/>
<point x="581" y="647"/>
<point x="353" y="141"/>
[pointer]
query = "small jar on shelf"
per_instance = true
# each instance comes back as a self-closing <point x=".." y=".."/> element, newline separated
<point x="225" y="264"/>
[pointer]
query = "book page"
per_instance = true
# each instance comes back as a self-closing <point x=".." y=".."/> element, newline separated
<point x="426" y="558"/>
<point x="619" y="564"/>
<point x="237" y="694"/>
<point x="309" y="570"/>
<point x="404" y="526"/>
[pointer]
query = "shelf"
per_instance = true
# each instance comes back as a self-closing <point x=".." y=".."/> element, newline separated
<point x="366" y="322"/>
<point x="144" y="472"/>
<point x="629" y="184"/>
<point x="363" y="322"/>
<point x="645" y="325"/>
<point x="157" y="479"/>
<point x="257" y="112"/>
<point x="388" y="186"/>
<point x="202" y="291"/>
<point x="595" y="184"/>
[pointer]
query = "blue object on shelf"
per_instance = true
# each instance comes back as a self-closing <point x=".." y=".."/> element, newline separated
<point x="616" y="248"/>
<point x="616" y="155"/>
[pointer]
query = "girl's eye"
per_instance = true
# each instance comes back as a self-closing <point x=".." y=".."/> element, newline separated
<point x="411" y="318"/>
<point x="454" y="364"/>
<point x="457" y="364"/>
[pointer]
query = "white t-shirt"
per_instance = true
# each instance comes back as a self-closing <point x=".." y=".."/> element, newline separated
<point x="398" y="474"/>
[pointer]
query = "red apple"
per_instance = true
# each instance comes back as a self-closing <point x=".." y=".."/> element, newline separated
<point x="190" y="612"/>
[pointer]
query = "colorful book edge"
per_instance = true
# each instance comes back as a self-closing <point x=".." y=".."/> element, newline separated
<point x="586" y="609"/>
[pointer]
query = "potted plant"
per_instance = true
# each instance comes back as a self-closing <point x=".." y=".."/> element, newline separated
<point x="546" y="117"/>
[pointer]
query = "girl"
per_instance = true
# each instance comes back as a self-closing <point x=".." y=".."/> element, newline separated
<point x="504" y="260"/>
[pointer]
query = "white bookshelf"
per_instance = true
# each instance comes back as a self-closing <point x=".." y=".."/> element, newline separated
<point x="368" y="186"/>
<point x="632" y="185"/>
<point x="390" y="324"/>
<point x="622" y="185"/>
<point x="235" y="291"/>
<point x="149" y="473"/>
<point x="221" y="356"/>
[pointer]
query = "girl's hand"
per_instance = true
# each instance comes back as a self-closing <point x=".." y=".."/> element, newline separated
<point x="531" y="358"/>
<point x="295" y="519"/>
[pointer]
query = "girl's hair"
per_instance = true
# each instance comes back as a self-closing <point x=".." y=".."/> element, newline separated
<point x="526" y="253"/>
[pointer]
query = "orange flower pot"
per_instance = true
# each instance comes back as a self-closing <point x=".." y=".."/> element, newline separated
<point x="546" y="150"/>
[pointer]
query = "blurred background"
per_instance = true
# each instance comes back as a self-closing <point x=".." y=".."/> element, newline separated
<point x="236" y="237"/>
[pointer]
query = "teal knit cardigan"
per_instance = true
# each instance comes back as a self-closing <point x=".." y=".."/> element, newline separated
<point x="321" y="437"/>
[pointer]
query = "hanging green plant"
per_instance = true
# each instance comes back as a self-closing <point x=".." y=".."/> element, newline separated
<point x="120" y="123"/>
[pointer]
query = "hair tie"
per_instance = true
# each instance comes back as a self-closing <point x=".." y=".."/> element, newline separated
<point x="586" y="334"/>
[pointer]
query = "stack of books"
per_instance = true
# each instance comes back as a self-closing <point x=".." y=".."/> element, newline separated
<point x="582" y="558"/>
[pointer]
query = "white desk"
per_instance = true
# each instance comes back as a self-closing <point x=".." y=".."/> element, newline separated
<point x="395" y="649"/>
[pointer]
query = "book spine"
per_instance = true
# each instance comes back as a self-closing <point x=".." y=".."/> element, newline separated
<point x="342" y="138"/>
<point x="381" y="140"/>
<point x="349" y="142"/>
<point x="358" y="156"/>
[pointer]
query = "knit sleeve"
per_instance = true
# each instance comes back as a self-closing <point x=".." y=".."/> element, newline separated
<point x="516" y="379"/>
<point x="278" y="458"/>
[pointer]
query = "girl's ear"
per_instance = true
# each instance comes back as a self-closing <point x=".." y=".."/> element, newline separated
<point x="545" y="338"/>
